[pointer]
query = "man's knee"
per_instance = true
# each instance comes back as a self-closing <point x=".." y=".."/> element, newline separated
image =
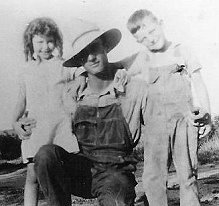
<point x="45" y="153"/>
<point x="48" y="155"/>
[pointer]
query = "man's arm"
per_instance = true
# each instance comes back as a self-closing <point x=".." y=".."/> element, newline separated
<point x="20" y="122"/>
<point x="22" y="126"/>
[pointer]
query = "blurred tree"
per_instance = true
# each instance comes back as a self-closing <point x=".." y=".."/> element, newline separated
<point x="10" y="145"/>
<point x="214" y="133"/>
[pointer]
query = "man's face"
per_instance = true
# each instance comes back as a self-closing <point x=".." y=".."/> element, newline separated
<point x="150" y="34"/>
<point x="95" y="58"/>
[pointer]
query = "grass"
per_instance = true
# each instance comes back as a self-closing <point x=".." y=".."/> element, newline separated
<point x="209" y="151"/>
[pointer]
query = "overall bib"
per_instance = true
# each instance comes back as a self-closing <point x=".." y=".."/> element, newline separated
<point x="169" y="135"/>
<point x="104" y="137"/>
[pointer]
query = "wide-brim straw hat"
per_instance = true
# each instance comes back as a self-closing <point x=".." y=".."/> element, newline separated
<point x="110" y="39"/>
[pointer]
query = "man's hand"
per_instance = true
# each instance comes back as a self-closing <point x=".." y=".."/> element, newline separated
<point x="23" y="127"/>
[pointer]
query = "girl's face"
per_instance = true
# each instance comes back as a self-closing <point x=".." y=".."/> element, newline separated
<point x="43" y="46"/>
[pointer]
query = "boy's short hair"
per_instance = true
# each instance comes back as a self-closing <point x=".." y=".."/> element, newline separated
<point x="135" y="19"/>
<point x="41" y="26"/>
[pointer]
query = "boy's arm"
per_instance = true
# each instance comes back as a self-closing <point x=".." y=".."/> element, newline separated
<point x="127" y="61"/>
<point x="201" y="90"/>
<point x="203" y="117"/>
<point x="134" y="64"/>
<point x="200" y="116"/>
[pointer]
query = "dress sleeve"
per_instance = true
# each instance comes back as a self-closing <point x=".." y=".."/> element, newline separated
<point x="21" y="83"/>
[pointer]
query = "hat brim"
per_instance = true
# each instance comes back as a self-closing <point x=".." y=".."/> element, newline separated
<point x="110" y="39"/>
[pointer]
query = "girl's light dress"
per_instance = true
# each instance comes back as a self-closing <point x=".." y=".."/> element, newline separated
<point x="43" y="85"/>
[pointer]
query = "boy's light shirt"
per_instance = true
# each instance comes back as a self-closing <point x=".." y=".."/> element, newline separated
<point x="138" y="64"/>
<point x="176" y="54"/>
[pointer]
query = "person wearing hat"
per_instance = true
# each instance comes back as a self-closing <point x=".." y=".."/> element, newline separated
<point x="106" y="119"/>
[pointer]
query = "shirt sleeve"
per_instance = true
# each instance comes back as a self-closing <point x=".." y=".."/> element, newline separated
<point x="140" y="66"/>
<point x="70" y="73"/>
<point x="191" y="60"/>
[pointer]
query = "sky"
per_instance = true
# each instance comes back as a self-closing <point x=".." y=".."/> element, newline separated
<point x="194" y="23"/>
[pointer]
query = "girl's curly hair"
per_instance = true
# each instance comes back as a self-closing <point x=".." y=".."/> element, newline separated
<point x="41" y="26"/>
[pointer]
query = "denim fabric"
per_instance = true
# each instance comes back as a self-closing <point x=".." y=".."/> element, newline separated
<point x="61" y="174"/>
<point x="103" y="133"/>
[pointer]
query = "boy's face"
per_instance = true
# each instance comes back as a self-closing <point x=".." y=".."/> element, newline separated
<point x="95" y="58"/>
<point x="43" y="46"/>
<point x="150" y="34"/>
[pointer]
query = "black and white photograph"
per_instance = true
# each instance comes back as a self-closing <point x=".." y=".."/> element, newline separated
<point x="109" y="103"/>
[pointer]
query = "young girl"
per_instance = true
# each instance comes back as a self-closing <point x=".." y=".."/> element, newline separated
<point x="41" y="84"/>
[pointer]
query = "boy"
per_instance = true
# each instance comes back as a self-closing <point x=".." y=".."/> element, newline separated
<point x="170" y="131"/>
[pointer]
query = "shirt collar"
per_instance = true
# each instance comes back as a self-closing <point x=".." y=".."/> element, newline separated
<point x="113" y="89"/>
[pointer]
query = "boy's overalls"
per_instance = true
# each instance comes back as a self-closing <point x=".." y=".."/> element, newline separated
<point x="168" y="134"/>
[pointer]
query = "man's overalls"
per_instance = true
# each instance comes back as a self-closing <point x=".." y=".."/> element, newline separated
<point x="104" y="138"/>
<point x="168" y="134"/>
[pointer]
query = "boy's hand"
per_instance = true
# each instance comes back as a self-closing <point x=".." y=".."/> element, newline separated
<point x="203" y="131"/>
<point x="121" y="79"/>
<point x="202" y="120"/>
<point x="200" y="117"/>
